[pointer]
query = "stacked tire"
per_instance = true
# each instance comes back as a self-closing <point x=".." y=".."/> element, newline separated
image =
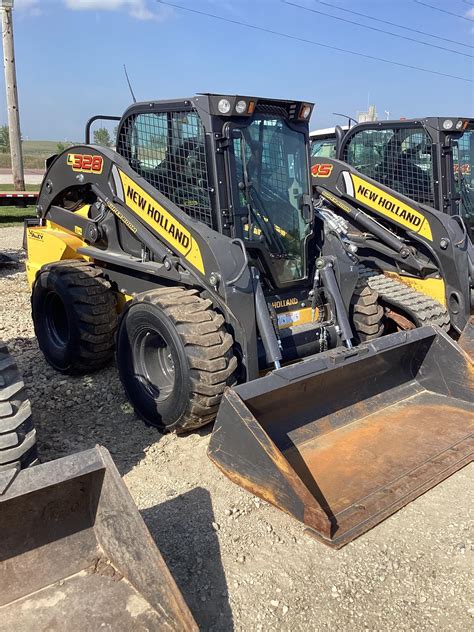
<point x="17" y="433"/>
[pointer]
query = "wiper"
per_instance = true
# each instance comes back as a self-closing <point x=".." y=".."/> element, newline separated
<point x="264" y="224"/>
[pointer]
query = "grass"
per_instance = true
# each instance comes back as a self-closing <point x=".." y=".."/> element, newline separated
<point x="13" y="216"/>
<point x="35" y="153"/>
<point x="40" y="147"/>
<point x="29" y="187"/>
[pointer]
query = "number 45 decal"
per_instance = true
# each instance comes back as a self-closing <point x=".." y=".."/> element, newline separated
<point x="85" y="163"/>
<point x="320" y="170"/>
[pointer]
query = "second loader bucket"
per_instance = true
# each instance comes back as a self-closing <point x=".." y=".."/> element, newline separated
<point x="76" y="555"/>
<point x="343" y="440"/>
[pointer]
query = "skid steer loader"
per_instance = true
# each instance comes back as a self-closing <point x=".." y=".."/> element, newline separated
<point x="76" y="555"/>
<point x="419" y="260"/>
<point x="200" y="232"/>
<point x="422" y="165"/>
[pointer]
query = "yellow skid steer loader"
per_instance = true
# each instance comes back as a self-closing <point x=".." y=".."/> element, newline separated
<point x="194" y="251"/>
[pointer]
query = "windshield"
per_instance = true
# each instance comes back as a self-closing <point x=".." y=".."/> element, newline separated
<point x="463" y="158"/>
<point x="324" y="148"/>
<point x="272" y="177"/>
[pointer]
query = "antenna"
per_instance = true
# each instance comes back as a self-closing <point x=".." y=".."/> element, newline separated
<point x="129" y="84"/>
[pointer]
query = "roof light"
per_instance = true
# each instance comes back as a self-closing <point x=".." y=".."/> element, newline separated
<point x="447" y="124"/>
<point x="224" y="106"/>
<point x="241" y="107"/>
<point x="305" y="111"/>
<point x="459" y="124"/>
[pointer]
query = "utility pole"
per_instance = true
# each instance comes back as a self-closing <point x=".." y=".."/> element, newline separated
<point x="6" y="7"/>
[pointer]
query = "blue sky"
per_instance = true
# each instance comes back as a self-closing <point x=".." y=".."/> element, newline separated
<point x="70" y="55"/>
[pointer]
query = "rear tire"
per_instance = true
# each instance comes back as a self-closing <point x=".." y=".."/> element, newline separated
<point x="175" y="358"/>
<point x="366" y="312"/>
<point x="17" y="432"/>
<point x="74" y="316"/>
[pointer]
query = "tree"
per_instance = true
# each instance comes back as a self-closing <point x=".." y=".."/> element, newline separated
<point x="102" y="137"/>
<point x="60" y="147"/>
<point x="4" y="139"/>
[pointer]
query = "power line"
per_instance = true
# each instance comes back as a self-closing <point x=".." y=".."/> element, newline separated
<point x="456" y="15"/>
<point x="399" y="26"/>
<point x="314" y="43"/>
<point x="374" y="28"/>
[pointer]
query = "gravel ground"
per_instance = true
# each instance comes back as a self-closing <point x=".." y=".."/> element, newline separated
<point x="240" y="563"/>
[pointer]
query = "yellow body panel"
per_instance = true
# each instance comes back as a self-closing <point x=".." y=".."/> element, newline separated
<point x="122" y="300"/>
<point x="430" y="287"/>
<point x="47" y="244"/>
<point x="297" y="317"/>
<point x="391" y="207"/>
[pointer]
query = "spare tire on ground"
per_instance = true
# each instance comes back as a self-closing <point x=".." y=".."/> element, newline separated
<point x="17" y="432"/>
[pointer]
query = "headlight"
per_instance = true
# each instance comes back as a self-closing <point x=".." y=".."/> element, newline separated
<point x="224" y="106"/>
<point x="241" y="107"/>
<point x="305" y="111"/>
<point x="447" y="124"/>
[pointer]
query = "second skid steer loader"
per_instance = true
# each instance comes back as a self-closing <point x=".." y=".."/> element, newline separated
<point x="200" y="233"/>
<point x="418" y="259"/>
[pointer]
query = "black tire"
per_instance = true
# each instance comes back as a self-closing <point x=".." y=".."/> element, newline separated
<point x="175" y="358"/>
<point x="74" y="316"/>
<point x="366" y="313"/>
<point x="17" y="432"/>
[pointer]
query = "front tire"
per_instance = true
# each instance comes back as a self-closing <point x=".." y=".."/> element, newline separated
<point x="175" y="358"/>
<point x="74" y="316"/>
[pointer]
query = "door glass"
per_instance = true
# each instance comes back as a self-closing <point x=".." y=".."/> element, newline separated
<point x="272" y="176"/>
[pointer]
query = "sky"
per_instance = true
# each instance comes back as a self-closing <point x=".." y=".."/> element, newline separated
<point x="70" y="56"/>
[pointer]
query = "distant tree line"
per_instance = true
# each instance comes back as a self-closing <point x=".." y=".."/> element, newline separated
<point x="4" y="139"/>
<point x="101" y="137"/>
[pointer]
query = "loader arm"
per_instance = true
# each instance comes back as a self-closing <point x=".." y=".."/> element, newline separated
<point x="395" y="233"/>
<point x="100" y="200"/>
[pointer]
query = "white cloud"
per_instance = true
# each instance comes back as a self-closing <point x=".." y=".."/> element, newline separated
<point x="29" y="6"/>
<point x="138" y="9"/>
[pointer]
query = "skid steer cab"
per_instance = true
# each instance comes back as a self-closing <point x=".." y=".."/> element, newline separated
<point x="193" y="251"/>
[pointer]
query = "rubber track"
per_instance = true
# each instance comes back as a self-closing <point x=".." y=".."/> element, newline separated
<point x="96" y="312"/>
<point x="208" y="349"/>
<point x="422" y="309"/>
<point x="17" y="432"/>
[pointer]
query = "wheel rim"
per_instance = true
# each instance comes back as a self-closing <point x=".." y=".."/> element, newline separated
<point x="56" y="319"/>
<point x="155" y="366"/>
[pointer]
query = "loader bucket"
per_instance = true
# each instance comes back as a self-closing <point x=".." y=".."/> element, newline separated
<point x="343" y="440"/>
<point x="466" y="340"/>
<point x="75" y="553"/>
